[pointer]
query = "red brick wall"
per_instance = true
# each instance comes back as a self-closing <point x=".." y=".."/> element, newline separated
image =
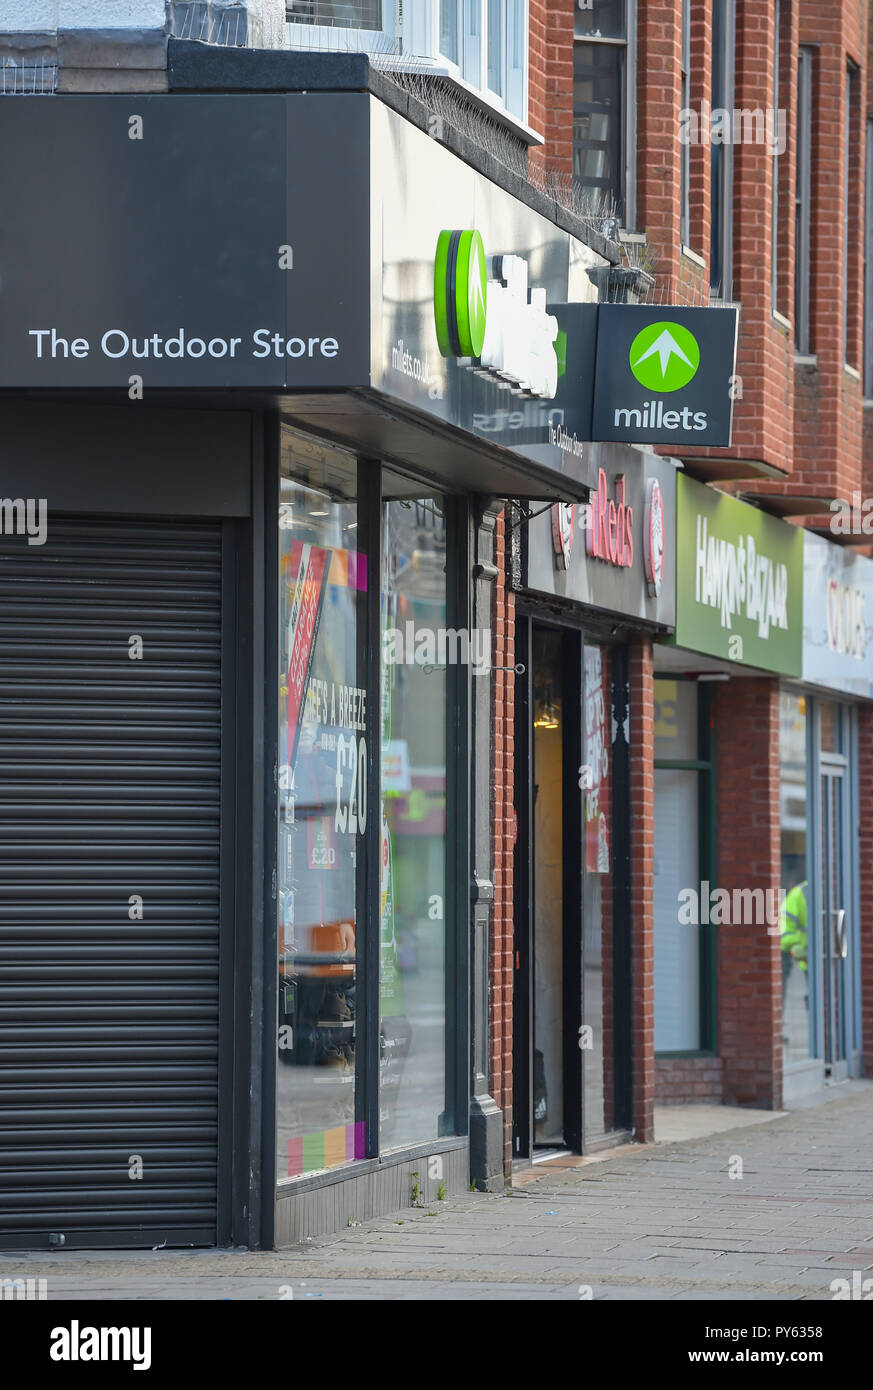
<point x="550" y="83"/>
<point x="699" y="157"/>
<point x="691" y="1080"/>
<point x="659" y="53"/>
<point x="501" y="962"/>
<point x="765" y="355"/>
<point x="828" y="416"/>
<point x="642" y="814"/>
<point x="785" y="412"/>
<point x="749" y="966"/>
<point x="825" y="447"/>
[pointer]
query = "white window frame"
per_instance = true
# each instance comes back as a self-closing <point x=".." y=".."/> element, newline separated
<point x="417" y="40"/>
<point x="422" y="38"/>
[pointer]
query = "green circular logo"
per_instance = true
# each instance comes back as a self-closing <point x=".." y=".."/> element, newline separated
<point x="460" y="280"/>
<point x="664" y="356"/>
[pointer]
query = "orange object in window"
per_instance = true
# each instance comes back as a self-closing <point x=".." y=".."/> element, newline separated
<point x="330" y="938"/>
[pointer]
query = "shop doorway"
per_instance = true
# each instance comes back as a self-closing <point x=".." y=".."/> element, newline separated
<point x="834" y="925"/>
<point x="571" y="1014"/>
<point x="547" y="996"/>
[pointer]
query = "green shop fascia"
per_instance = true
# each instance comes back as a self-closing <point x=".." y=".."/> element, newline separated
<point x="739" y="582"/>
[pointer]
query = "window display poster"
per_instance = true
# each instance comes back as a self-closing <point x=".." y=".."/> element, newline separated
<point x="596" y="762"/>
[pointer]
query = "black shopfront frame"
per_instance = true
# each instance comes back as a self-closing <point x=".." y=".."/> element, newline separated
<point x="106" y="461"/>
<point x="459" y="535"/>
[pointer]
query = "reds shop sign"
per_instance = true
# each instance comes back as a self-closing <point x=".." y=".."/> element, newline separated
<point x="610" y="533"/>
<point x="623" y="557"/>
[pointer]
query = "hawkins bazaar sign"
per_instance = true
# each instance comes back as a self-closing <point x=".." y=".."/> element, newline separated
<point x="616" y="551"/>
<point x="739" y="581"/>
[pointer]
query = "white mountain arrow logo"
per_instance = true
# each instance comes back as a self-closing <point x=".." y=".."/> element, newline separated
<point x="476" y="290"/>
<point x="664" y="356"/>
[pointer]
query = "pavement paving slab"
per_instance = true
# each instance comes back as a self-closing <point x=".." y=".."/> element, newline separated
<point x="663" y="1223"/>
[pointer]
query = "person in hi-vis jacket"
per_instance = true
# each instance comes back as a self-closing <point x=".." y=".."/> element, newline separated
<point x="792" y="921"/>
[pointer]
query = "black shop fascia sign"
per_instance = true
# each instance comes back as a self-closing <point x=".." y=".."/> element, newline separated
<point x="616" y="552"/>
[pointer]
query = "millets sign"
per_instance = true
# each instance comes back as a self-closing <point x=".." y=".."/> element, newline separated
<point x="665" y="375"/>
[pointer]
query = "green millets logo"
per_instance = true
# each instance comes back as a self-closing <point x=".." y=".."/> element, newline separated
<point x="664" y="357"/>
<point x="460" y="293"/>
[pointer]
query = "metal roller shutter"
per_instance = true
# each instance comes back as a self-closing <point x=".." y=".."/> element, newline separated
<point x="109" y="788"/>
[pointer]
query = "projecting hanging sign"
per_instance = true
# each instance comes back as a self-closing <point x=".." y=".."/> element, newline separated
<point x="665" y="375"/>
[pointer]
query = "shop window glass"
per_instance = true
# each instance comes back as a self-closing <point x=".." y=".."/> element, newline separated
<point x="677" y="944"/>
<point x="417" y="648"/>
<point x="323" y="808"/>
<point x="676" y="721"/>
<point x="678" y="953"/>
<point x="830" y="726"/>
<point x="796" y="1023"/>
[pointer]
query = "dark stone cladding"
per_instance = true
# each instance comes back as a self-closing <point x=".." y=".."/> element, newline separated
<point x="200" y="67"/>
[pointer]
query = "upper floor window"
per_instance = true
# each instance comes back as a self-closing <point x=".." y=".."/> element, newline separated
<point x="336" y="14"/>
<point x="684" y="148"/>
<point x="803" y="205"/>
<point x="722" y="162"/>
<point x="481" y="42"/>
<point x="776" y="287"/>
<point x="868" y="265"/>
<point x="487" y="41"/>
<point x="603" y="116"/>
<point x="496" y="41"/>
<point x="851" y="143"/>
<point x="449" y="17"/>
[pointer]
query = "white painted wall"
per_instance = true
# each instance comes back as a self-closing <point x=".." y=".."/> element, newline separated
<point x="23" y="16"/>
<point x="40" y="16"/>
<point x="271" y="14"/>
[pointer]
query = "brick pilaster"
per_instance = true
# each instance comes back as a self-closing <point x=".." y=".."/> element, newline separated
<point x="748" y="820"/>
